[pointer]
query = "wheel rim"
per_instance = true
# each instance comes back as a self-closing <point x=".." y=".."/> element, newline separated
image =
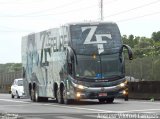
<point x="36" y="96"/>
<point x="65" y="96"/>
<point x="58" y="96"/>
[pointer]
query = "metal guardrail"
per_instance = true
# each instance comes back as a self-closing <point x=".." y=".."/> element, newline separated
<point x="6" y="80"/>
<point x="144" y="90"/>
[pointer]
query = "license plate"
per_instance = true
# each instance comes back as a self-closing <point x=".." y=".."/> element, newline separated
<point x="102" y="94"/>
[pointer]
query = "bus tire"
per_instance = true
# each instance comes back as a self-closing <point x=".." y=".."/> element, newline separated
<point x="110" y="100"/>
<point x="65" y="98"/>
<point x="102" y="100"/>
<point x="36" y="96"/>
<point x="30" y="91"/>
<point x="32" y="95"/>
<point x="59" y="97"/>
<point x="126" y="98"/>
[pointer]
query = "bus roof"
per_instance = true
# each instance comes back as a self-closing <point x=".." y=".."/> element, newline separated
<point x="90" y="23"/>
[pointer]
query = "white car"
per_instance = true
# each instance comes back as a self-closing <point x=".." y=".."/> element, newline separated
<point x="17" y="88"/>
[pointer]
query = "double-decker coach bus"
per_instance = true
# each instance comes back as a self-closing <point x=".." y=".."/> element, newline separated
<point x="75" y="61"/>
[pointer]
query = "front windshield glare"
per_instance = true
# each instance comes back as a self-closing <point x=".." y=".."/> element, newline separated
<point x="99" y="67"/>
<point x="87" y="66"/>
<point x="111" y="65"/>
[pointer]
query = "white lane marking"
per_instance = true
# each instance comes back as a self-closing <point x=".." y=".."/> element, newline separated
<point x="9" y="100"/>
<point x="143" y="110"/>
<point x="148" y="102"/>
<point x="56" y="105"/>
<point x="66" y="117"/>
<point x="12" y="105"/>
<point x="80" y="108"/>
<point x="93" y="116"/>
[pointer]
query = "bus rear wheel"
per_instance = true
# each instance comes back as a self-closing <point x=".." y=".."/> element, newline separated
<point x="35" y="97"/>
<point x="59" y="97"/>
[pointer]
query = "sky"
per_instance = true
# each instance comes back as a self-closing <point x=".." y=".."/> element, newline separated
<point x="22" y="17"/>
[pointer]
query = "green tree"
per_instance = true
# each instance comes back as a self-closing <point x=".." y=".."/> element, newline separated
<point x="136" y="40"/>
<point x="131" y="40"/>
<point x="156" y="36"/>
<point x="125" y="39"/>
<point x="145" y="42"/>
<point x="157" y="48"/>
<point x="10" y="67"/>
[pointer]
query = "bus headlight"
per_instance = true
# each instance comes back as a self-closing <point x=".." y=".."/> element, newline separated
<point x="81" y="87"/>
<point x="122" y="84"/>
<point x="124" y="92"/>
<point x="78" y="94"/>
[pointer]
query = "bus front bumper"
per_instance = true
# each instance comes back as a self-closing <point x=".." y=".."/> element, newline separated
<point x="82" y="92"/>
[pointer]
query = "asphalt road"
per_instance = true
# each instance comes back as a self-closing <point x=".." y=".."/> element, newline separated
<point x="86" y="109"/>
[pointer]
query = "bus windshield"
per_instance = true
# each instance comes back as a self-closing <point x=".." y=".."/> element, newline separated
<point x="111" y="66"/>
<point x="99" y="67"/>
<point x="99" y="38"/>
<point x="87" y="66"/>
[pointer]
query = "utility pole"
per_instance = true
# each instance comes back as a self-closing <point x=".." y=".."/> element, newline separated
<point x="101" y="10"/>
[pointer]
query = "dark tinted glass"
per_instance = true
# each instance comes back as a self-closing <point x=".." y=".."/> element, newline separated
<point x="100" y="38"/>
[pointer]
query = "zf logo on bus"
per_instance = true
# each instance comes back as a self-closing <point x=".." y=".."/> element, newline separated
<point x="99" y="37"/>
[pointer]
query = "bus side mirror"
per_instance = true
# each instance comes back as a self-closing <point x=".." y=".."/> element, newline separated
<point x="130" y="53"/>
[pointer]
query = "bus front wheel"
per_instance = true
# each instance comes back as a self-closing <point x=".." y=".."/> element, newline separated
<point x="65" y="98"/>
<point x="102" y="100"/>
<point x="126" y="98"/>
<point x="110" y="100"/>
